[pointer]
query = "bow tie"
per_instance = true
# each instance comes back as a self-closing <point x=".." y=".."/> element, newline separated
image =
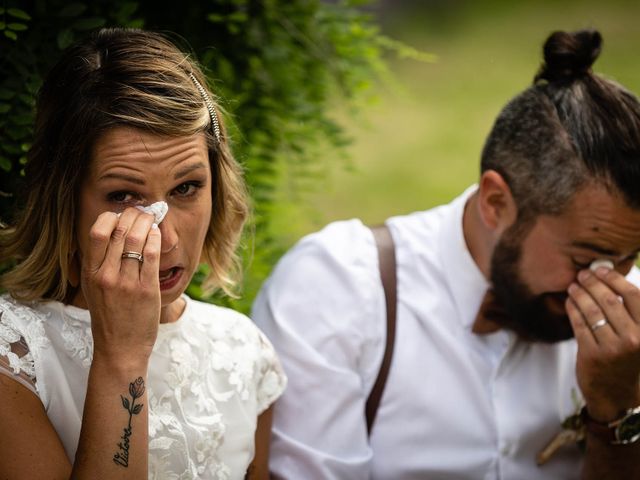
<point x="489" y="312"/>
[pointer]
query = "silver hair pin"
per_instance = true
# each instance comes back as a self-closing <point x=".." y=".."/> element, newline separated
<point x="209" y="104"/>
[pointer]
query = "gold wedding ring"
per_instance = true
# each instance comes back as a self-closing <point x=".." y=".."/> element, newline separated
<point x="600" y="323"/>
<point x="135" y="255"/>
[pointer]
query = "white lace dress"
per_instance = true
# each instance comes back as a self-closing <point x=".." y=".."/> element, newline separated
<point x="211" y="374"/>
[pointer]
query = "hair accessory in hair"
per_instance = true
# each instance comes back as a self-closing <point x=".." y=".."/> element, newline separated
<point x="210" y="107"/>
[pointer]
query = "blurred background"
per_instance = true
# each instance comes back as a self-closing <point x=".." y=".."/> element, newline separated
<point x="336" y="108"/>
<point x="419" y="144"/>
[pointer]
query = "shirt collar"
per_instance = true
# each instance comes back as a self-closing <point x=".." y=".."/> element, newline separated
<point x="465" y="281"/>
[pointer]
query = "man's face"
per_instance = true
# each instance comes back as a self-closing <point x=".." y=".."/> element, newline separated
<point x="531" y="269"/>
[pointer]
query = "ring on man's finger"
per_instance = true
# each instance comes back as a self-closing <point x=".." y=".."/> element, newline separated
<point x="600" y="323"/>
<point x="134" y="255"/>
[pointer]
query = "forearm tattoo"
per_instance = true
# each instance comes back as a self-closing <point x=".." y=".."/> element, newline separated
<point x="136" y="390"/>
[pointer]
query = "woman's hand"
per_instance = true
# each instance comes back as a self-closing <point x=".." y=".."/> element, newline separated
<point x="123" y="294"/>
<point x="605" y="314"/>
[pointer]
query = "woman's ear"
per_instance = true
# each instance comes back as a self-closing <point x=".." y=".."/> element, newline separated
<point x="498" y="209"/>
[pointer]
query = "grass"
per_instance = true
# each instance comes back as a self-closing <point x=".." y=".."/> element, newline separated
<point x="419" y="146"/>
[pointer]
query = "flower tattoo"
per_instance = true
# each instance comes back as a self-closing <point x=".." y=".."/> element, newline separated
<point x="136" y="390"/>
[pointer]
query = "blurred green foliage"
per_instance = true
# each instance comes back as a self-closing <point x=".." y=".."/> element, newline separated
<point x="276" y="65"/>
<point x="419" y="145"/>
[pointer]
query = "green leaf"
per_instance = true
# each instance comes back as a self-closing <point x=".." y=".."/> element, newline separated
<point x="34" y="84"/>
<point x="11" y="149"/>
<point x="6" y="94"/>
<point x="28" y="100"/>
<point x="17" y="13"/>
<point x="18" y="27"/>
<point x="238" y="17"/>
<point x="215" y="18"/>
<point x="89" y="23"/>
<point x="1" y="10"/>
<point x="127" y="9"/>
<point x="3" y="25"/>
<point x="5" y="164"/>
<point x="24" y="119"/>
<point x="65" y="38"/>
<point x="10" y="34"/>
<point x="4" y="107"/>
<point x="137" y="23"/>
<point x="72" y="10"/>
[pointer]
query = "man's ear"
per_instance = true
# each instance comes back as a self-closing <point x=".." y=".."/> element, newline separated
<point x="497" y="206"/>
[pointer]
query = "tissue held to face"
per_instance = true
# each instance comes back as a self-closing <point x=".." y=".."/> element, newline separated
<point x="171" y="177"/>
<point x="158" y="210"/>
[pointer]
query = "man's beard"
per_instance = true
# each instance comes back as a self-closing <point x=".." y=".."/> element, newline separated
<point x="524" y="313"/>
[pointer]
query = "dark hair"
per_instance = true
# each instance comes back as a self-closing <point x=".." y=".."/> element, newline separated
<point x="116" y="77"/>
<point x="570" y="127"/>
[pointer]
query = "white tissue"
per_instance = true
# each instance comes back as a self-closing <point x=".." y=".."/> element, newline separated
<point x="158" y="210"/>
<point x="596" y="264"/>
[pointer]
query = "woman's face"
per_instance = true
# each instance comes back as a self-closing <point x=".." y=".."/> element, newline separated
<point x="130" y="167"/>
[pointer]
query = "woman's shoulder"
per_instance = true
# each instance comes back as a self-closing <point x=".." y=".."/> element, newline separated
<point x="22" y="339"/>
<point x="23" y="318"/>
<point x="236" y="345"/>
<point x="16" y="309"/>
<point x="220" y="320"/>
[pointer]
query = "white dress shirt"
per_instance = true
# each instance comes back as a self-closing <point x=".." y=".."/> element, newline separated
<point x="456" y="405"/>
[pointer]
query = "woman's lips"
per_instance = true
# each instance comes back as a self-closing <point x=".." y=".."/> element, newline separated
<point x="170" y="277"/>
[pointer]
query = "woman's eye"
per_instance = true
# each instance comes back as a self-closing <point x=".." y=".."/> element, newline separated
<point x="188" y="188"/>
<point x="122" y="197"/>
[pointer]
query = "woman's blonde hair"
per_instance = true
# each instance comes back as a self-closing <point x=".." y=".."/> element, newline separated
<point x="117" y="77"/>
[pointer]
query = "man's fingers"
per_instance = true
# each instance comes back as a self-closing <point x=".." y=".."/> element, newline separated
<point x="592" y="314"/>
<point x="621" y="286"/>
<point x="581" y="330"/>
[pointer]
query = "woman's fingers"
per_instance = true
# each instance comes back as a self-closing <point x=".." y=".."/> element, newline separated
<point x="111" y="236"/>
<point x="151" y="266"/>
<point x="99" y="241"/>
<point x="134" y="243"/>
<point x="113" y="255"/>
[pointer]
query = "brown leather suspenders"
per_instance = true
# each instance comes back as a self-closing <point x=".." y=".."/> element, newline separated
<point x="387" y="263"/>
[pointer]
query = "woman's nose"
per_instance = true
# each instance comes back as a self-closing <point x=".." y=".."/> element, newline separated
<point x="169" y="234"/>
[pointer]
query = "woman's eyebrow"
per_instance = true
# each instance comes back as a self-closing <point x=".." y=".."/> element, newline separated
<point x="188" y="169"/>
<point x="122" y="176"/>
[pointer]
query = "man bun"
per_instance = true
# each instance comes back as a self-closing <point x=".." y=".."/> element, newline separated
<point x="569" y="55"/>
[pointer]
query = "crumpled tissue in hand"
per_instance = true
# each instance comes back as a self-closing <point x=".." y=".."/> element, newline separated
<point x="158" y="210"/>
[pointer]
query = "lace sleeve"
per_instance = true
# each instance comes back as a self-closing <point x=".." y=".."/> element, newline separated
<point x="273" y="379"/>
<point x="15" y="358"/>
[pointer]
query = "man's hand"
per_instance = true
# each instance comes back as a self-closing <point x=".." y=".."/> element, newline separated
<point x="604" y="309"/>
